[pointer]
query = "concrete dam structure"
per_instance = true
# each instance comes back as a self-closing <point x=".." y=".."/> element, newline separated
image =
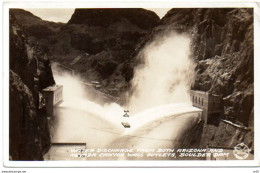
<point x="53" y="97"/>
<point x="209" y="103"/>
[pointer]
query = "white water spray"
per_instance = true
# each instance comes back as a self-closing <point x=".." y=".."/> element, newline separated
<point x="77" y="115"/>
<point x="76" y="97"/>
<point x="166" y="74"/>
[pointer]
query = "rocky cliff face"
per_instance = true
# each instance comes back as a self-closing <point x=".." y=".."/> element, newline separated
<point x="105" y="39"/>
<point x="34" y="25"/>
<point x="223" y="50"/>
<point x="141" y="18"/>
<point x="98" y="43"/>
<point x="30" y="72"/>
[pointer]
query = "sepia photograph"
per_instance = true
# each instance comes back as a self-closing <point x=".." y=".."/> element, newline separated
<point x="131" y="84"/>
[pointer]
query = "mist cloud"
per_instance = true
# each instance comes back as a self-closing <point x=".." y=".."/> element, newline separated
<point x="166" y="74"/>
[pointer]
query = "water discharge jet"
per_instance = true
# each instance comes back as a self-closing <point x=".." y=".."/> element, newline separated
<point x="160" y="103"/>
<point x="166" y="73"/>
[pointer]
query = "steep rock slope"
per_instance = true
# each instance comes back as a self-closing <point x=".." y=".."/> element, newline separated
<point x="98" y="44"/>
<point x="104" y="41"/>
<point x="34" y="25"/>
<point x="30" y="72"/>
<point x="223" y="50"/>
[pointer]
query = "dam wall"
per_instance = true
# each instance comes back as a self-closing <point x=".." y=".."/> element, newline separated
<point x="209" y="103"/>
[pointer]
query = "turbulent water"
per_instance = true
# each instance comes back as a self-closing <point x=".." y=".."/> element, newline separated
<point x="166" y="74"/>
<point x="160" y="92"/>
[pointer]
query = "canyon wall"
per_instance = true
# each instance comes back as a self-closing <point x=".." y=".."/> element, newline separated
<point x="29" y="73"/>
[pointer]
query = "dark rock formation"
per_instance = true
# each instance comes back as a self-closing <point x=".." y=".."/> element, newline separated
<point x="109" y="37"/>
<point x="143" y="19"/>
<point x="104" y="39"/>
<point x="30" y="72"/>
<point x="34" y="25"/>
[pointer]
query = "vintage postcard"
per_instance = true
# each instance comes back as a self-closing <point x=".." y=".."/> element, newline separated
<point x="128" y="84"/>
